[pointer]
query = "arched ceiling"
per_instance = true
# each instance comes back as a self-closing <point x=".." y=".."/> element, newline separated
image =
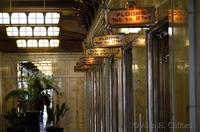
<point x="76" y="17"/>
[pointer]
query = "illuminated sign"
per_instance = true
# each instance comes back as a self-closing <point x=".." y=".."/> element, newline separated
<point x="131" y="16"/>
<point x="139" y="41"/>
<point x="85" y="67"/>
<point x="97" y="52"/>
<point x="81" y="68"/>
<point x="116" y="40"/>
<point x="78" y="65"/>
<point x="179" y="16"/>
<point x="90" y="61"/>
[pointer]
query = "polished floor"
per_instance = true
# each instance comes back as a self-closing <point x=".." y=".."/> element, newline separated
<point x="43" y="121"/>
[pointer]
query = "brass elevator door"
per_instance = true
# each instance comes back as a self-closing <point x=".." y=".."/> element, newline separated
<point x="158" y="77"/>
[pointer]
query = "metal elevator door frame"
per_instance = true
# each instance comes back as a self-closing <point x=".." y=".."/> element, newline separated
<point x="127" y="88"/>
<point x="157" y="49"/>
<point x="113" y="94"/>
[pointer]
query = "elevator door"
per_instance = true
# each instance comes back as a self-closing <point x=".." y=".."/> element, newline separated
<point x="158" y="77"/>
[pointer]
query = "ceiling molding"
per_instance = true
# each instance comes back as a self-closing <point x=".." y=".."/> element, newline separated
<point x="65" y="10"/>
<point x="72" y="34"/>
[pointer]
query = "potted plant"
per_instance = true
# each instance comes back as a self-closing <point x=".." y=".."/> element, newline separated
<point x="54" y="117"/>
<point x="15" y="119"/>
<point x="34" y="91"/>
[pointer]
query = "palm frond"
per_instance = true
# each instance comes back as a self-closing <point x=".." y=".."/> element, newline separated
<point x="21" y="92"/>
<point x="36" y="84"/>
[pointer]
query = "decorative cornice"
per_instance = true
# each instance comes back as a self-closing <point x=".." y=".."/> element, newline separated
<point x="37" y="10"/>
<point x="73" y="34"/>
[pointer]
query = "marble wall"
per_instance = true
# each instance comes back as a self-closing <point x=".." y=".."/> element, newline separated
<point x="71" y="83"/>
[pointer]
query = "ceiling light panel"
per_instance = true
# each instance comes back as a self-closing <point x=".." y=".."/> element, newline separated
<point x="4" y="18"/>
<point x="40" y="31"/>
<point x="37" y="25"/>
<point x="18" y="18"/>
<point x="53" y="31"/>
<point x="21" y="43"/>
<point x="31" y="43"/>
<point x="50" y="18"/>
<point x="32" y="31"/>
<point x="36" y="18"/>
<point x="43" y="43"/>
<point x="54" y="43"/>
<point x="25" y="31"/>
<point x="12" y="31"/>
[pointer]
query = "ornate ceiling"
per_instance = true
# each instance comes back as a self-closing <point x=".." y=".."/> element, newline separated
<point x="76" y="17"/>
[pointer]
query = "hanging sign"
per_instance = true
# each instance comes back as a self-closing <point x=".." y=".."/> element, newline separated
<point x="85" y="64"/>
<point x="81" y="68"/>
<point x="97" y="52"/>
<point x="179" y="16"/>
<point x="131" y="16"/>
<point x="85" y="67"/>
<point x="115" y="40"/>
<point x="78" y="65"/>
<point x="89" y="61"/>
<point x="76" y="69"/>
<point x="139" y="40"/>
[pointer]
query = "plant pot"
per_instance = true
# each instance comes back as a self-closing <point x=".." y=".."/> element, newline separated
<point x="33" y="123"/>
<point x="12" y="129"/>
<point x="54" y="129"/>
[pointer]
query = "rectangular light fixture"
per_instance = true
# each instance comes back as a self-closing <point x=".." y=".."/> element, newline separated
<point x="29" y="26"/>
<point x="21" y="43"/>
<point x="4" y="18"/>
<point x="34" y="43"/>
<point x="23" y="18"/>
<point x="32" y="31"/>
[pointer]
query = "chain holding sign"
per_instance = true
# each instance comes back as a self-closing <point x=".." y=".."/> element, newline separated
<point x="131" y="16"/>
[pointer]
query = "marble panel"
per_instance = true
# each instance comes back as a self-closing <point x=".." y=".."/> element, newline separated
<point x="59" y="68"/>
<point x="76" y="101"/>
<point x="71" y="84"/>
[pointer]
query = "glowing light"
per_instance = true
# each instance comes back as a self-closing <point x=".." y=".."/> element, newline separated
<point x="130" y="30"/>
<point x="37" y="43"/>
<point x="32" y="43"/>
<point x="12" y="31"/>
<point x="21" y="43"/>
<point x="4" y="18"/>
<point x="36" y="18"/>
